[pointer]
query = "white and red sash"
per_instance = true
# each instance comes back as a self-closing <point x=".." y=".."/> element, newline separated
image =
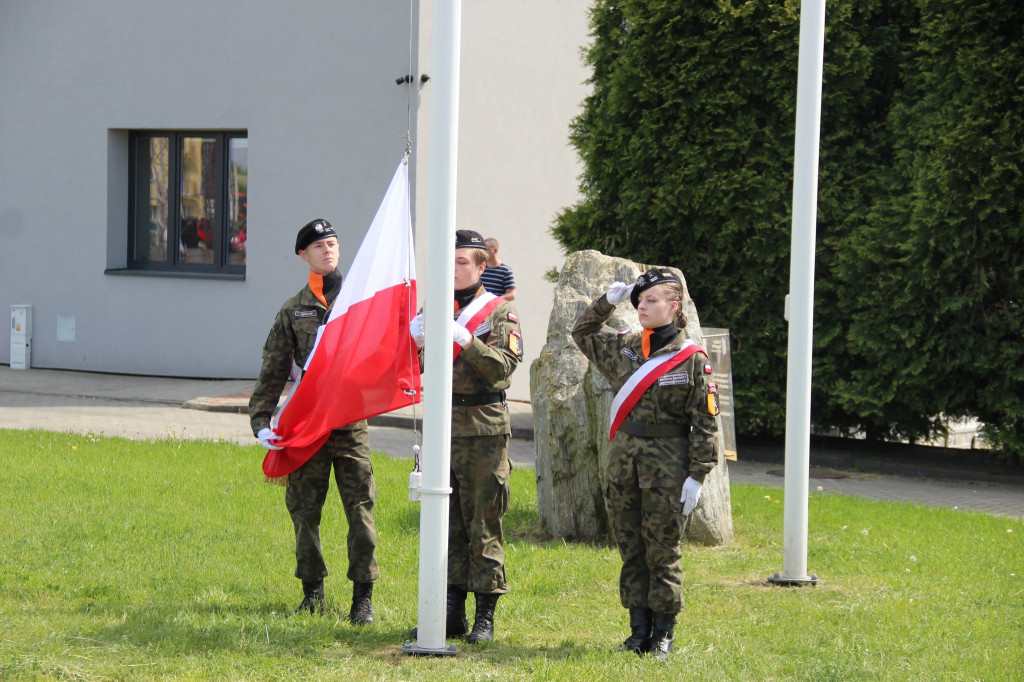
<point x="642" y="379"/>
<point x="475" y="313"/>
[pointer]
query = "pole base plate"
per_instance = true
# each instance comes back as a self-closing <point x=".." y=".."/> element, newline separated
<point x="415" y="649"/>
<point x="786" y="581"/>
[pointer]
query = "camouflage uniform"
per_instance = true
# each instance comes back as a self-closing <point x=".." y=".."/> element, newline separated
<point x="347" y="450"/>
<point x="480" y="464"/>
<point x="644" y="475"/>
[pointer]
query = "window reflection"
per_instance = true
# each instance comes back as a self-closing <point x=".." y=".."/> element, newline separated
<point x="238" y="186"/>
<point x="188" y="204"/>
<point x="198" y="198"/>
<point x="151" y="203"/>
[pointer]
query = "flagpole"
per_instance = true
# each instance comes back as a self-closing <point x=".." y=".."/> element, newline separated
<point x="437" y="378"/>
<point x="801" y="296"/>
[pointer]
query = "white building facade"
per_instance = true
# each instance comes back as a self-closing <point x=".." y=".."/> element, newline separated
<point x="157" y="159"/>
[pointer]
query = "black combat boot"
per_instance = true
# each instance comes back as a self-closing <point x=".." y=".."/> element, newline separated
<point x="483" y="621"/>
<point x="661" y="640"/>
<point x="456" y="624"/>
<point x="640" y="623"/>
<point x="313" y="597"/>
<point x="362" y="604"/>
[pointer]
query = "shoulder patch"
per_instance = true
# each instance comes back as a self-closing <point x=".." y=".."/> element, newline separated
<point x="707" y="368"/>
<point x="512" y="317"/>
<point x="300" y="314"/>
<point x="628" y="352"/>
<point x="623" y="332"/>
<point x="515" y="342"/>
<point x="713" y="406"/>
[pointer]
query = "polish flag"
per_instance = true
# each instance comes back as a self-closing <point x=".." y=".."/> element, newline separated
<point x="364" y="361"/>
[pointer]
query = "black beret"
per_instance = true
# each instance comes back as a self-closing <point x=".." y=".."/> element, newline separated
<point x="311" y="232"/>
<point x="652" y="278"/>
<point x="468" y="239"/>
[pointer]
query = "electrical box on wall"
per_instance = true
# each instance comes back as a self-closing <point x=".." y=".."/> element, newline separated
<point x="66" y="328"/>
<point x="21" y="336"/>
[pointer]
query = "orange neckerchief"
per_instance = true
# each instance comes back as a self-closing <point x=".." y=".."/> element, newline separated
<point x="645" y="342"/>
<point x="316" y="285"/>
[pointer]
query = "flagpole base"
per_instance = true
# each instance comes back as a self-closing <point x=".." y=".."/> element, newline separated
<point x="786" y="581"/>
<point x="414" y="649"/>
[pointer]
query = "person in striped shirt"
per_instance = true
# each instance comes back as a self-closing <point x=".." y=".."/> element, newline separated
<point x="497" y="277"/>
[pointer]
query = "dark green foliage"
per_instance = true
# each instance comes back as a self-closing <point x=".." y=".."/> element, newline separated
<point x="687" y="145"/>
<point x="948" y="238"/>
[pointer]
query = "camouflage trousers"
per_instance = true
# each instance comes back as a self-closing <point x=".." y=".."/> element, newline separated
<point x="349" y="453"/>
<point x="480" y="497"/>
<point x="647" y="524"/>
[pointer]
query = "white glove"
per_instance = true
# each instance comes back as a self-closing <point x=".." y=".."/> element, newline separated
<point x="690" y="496"/>
<point x="461" y="335"/>
<point x="416" y="330"/>
<point x="619" y="292"/>
<point x="267" y="438"/>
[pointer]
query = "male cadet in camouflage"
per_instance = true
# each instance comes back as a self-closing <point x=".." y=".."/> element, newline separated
<point x="659" y="457"/>
<point x="489" y="346"/>
<point x="347" y="449"/>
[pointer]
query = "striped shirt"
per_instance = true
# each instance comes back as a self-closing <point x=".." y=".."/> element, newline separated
<point x="498" y="279"/>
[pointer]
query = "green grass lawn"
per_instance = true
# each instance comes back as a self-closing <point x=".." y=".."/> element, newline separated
<point x="171" y="559"/>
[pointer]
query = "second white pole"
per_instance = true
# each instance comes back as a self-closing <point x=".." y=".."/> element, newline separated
<point x="801" y="294"/>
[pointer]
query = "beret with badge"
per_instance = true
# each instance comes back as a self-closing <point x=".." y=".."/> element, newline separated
<point x="468" y="239"/>
<point x="652" y="278"/>
<point x="313" y="231"/>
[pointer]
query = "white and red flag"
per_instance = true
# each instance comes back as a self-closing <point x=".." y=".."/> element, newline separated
<point x="364" y="361"/>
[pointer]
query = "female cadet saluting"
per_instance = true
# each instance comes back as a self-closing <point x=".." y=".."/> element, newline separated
<point x="663" y="431"/>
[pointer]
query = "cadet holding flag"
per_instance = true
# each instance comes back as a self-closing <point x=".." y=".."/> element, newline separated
<point x="662" y="436"/>
<point x="346" y="449"/>
<point x="487" y="348"/>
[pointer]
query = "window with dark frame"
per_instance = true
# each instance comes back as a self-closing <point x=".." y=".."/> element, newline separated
<point x="187" y="210"/>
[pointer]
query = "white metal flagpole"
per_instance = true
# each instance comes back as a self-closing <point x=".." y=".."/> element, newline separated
<point x="437" y="317"/>
<point x="801" y="295"/>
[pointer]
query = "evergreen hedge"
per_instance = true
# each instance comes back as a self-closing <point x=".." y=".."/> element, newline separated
<point x="687" y="148"/>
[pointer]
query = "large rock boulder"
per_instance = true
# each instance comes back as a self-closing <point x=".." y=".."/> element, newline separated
<point x="571" y="402"/>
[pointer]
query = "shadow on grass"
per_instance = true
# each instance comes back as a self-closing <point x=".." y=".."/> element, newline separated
<point x="211" y="629"/>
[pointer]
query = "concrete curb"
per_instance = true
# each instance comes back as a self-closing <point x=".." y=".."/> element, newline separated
<point x="205" y="404"/>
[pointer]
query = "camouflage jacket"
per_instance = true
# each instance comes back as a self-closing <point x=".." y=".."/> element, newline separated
<point x="678" y="397"/>
<point x="290" y="339"/>
<point x="485" y="366"/>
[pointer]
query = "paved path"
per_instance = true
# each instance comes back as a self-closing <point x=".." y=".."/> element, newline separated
<point x="147" y="407"/>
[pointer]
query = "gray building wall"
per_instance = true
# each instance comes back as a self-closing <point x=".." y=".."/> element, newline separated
<point x="313" y="82"/>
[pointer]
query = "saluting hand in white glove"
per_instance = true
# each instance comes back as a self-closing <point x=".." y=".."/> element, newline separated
<point x="416" y="330"/>
<point x="461" y="335"/>
<point x="690" y="496"/>
<point x="267" y="439"/>
<point x="619" y="292"/>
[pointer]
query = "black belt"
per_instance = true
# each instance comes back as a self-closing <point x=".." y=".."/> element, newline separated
<point x="656" y="430"/>
<point x="478" y="399"/>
